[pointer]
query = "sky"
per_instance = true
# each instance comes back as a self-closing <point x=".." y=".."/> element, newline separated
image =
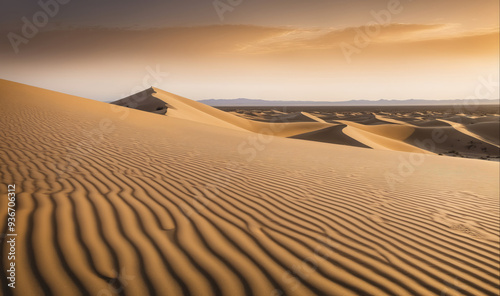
<point x="276" y="50"/>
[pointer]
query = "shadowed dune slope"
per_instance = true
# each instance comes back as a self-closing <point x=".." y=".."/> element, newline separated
<point x="446" y="139"/>
<point x="144" y="101"/>
<point x="491" y="118"/>
<point x="487" y="130"/>
<point x="115" y="201"/>
<point x="464" y="130"/>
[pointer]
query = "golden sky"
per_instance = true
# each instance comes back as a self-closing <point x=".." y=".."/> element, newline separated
<point x="283" y="50"/>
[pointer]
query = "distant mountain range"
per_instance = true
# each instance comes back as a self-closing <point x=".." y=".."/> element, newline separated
<point x="265" y="103"/>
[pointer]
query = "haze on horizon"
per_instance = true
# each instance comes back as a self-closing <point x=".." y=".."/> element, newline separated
<point x="280" y="50"/>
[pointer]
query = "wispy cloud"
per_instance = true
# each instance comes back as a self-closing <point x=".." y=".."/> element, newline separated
<point x="293" y="40"/>
<point x="240" y="40"/>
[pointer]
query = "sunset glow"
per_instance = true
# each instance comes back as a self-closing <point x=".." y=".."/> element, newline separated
<point x="284" y="50"/>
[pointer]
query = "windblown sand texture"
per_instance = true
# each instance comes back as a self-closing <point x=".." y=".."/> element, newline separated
<point x="117" y="201"/>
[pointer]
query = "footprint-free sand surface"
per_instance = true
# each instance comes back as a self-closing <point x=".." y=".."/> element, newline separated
<point x="117" y="201"/>
<point x="440" y="130"/>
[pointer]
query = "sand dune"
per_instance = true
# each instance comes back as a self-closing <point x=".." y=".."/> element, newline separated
<point x="381" y="131"/>
<point x="450" y="140"/>
<point x="466" y="131"/>
<point x="313" y="117"/>
<point x="406" y="131"/>
<point x="182" y="108"/>
<point x="433" y="123"/>
<point x="144" y="101"/>
<point x="491" y="118"/>
<point x="115" y="201"/>
<point x="333" y="135"/>
<point x="383" y="137"/>
<point x="488" y="131"/>
<point x="390" y="120"/>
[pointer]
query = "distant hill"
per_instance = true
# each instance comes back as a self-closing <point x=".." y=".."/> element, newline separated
<point x="265" y="103"/>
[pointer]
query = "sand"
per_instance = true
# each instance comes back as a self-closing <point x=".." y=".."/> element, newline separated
<point x="182" y="108"/>
<point x="437" y="130"/>
<point x="116" y="201"/>
<point x="475" y="132"/>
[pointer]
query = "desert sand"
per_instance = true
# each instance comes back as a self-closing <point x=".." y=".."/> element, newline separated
<point x="438" y="130"/>
<point x="198" y="201"/>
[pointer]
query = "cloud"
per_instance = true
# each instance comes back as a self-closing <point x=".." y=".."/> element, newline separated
<point x="294" y="40"/>
<point x="173" y="41"/>
<point x="225" y="44"/>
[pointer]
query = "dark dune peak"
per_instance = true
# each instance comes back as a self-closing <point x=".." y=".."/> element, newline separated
<point x="144" y="101"/>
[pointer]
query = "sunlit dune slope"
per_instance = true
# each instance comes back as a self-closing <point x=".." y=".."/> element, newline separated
<point x="182" y="108"/>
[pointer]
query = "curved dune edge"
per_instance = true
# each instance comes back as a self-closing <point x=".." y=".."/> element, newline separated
<point x="486" y="130"/>
<point x="463" y="129"/>
<point x="391" y="131"/>
<point x="390" y="120"/>
<point x="183" y="108"/>
<point x="333" y="135"/>
<point x="382" y="137"/>
<point x="376" y="141"/>
<point x="313" y="117"/>
<point x="115" y="201"/>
